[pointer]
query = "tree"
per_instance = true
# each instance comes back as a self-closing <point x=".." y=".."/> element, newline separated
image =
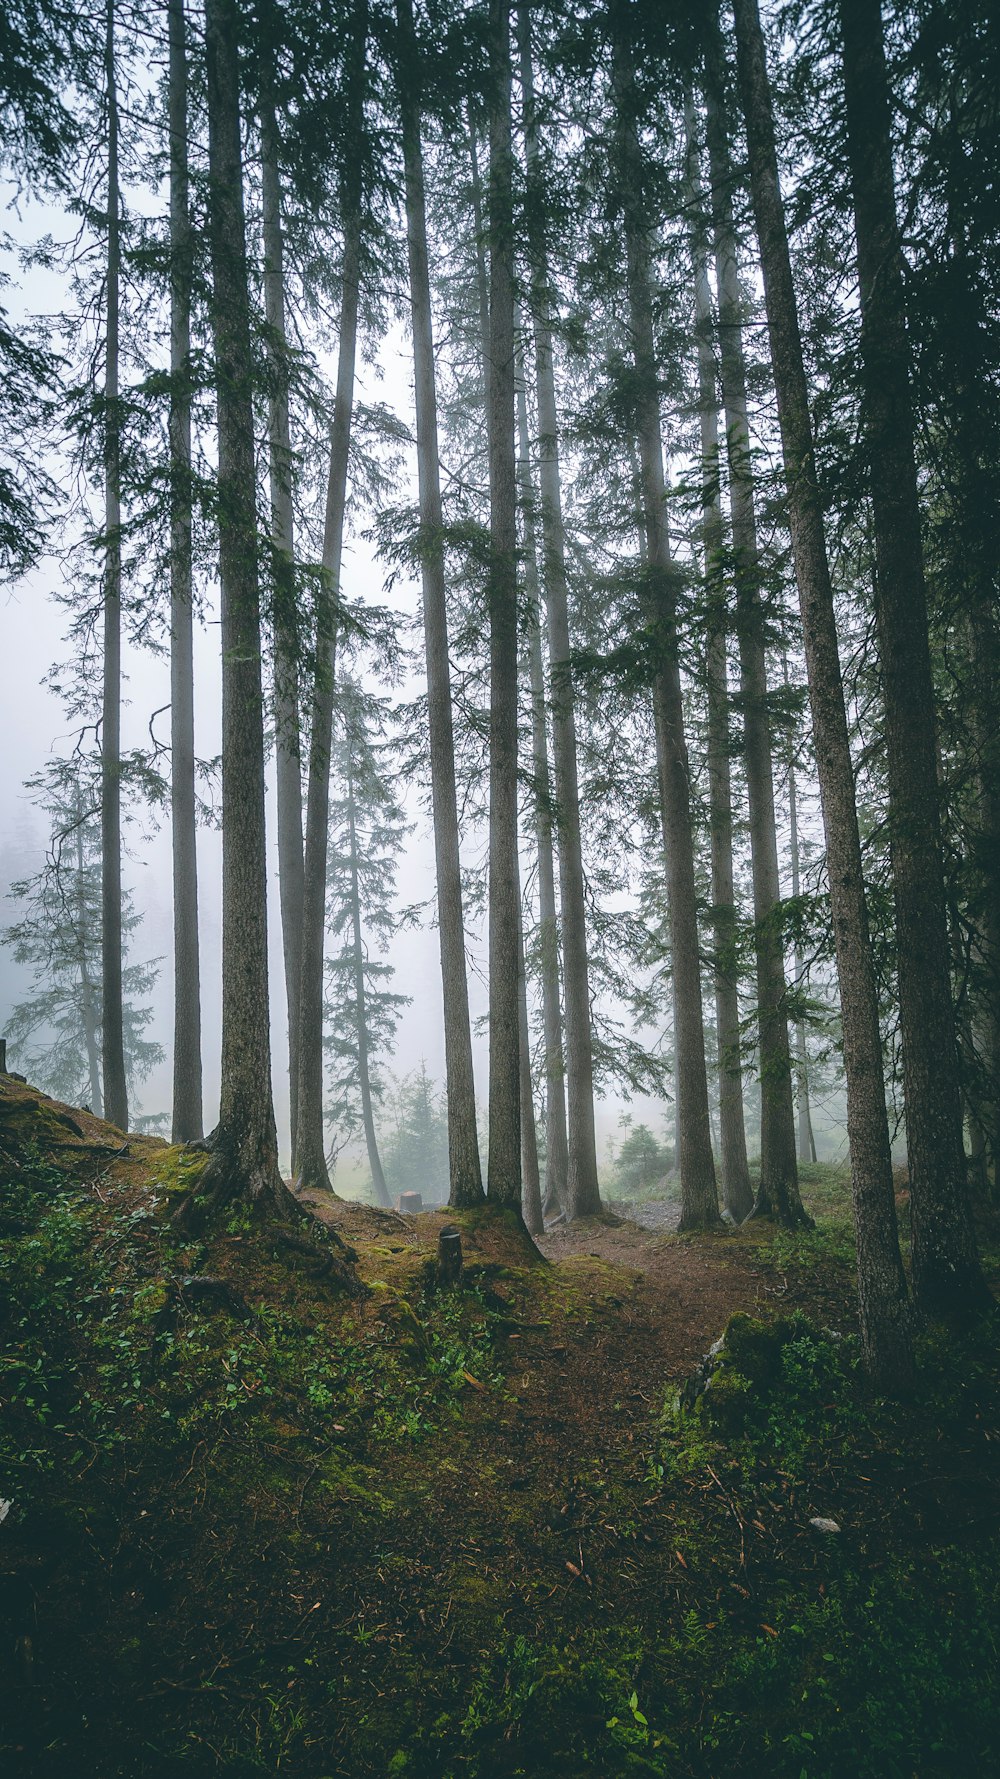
<point x="463" y="1141"/>
<point x="244" y="1158"/>
<point x="882" y="1293"/>
<point x="368" y="830"/>
<point x="945" y="1266"/>
<point x="778" y="1190"/>
<point x="556" y="1143"/>
<point x="309" y="1161"/>
<point x="284" y="605"/>
<point x="736" y="1188"/>
<point x="113" y="1048"/>
<point x="504" y="1169"/>
<point x="416" y="1147"/>
<point x="582" y="1192"/>
<point x="700" y="1204"/>
<point x="55" y="1033"/>
<point x="187" y="1089"/>
<point x="641" y="1160"/>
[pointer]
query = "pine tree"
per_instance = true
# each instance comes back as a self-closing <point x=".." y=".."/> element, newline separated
<point x="368" y="832"/>
<point x="55" y="1033"/>
<point x="187" y="1086"/>
<point x="882" y="1290"/>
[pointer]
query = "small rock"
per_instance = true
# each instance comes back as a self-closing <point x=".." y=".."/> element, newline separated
<point x="825" y="1526"/>
<point x="5" y="1507"/>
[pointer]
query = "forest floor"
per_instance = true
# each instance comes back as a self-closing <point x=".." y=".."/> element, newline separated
<point x="261" y="1527"/>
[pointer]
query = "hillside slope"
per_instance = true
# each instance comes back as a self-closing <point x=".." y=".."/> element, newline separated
<point x="259" y="1526"/>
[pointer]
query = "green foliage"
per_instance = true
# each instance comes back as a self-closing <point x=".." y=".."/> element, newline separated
<point x="54" y="1034"/>
<point x="415" y="1145"/>
<point x="641" y="1160"/>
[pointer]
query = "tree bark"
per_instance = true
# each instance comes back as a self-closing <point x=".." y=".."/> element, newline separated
<point x="187" y="1083"/>
<point x="285" y="625"/>
<point x="504" y="1163"/>
<point x="778" y="1190"/>
<point x="531" y="1192"/>
<point x="882" y="1294"/>
<point x="465" y="1172"/>
<point x="364" y="1072"/>
<point x="699" y="1195"/>
<point x="556" y="1152"/>
<point x="88" y="996"/>
<point x="944" y="1261"/>
<point x="807" y="1142"/>
<point x="736" y="1188"/>
<point x="244" y="1159"/>
<point x="310" y="1148"/>
<point x="112" y="1019"/>
<point x="583" y="1197"/>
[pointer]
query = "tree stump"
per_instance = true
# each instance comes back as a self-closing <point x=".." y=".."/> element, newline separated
<point x="449" y="1256"/>
<point x="3" y="1056"/>
<point x="410" y="1203"/>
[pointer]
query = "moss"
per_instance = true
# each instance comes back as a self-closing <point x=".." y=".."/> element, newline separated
<point x="177" y="1169"/>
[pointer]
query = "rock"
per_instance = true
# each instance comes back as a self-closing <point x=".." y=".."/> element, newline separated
<point x="824" y="1527"/>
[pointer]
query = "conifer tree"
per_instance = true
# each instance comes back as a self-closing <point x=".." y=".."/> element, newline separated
<point x="883" y="1299"/>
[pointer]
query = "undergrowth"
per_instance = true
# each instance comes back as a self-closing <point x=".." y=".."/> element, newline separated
<point x="319" y="1540"/>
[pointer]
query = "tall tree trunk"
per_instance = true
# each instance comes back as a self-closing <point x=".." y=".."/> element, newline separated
<point x="531" y="1193"/>
<point x="556" y="1155"/>
<point x="88" y="996"/>
<point x="807" y="1142"/>
<point x="699" y="1196"/>
<point x="882" y="1294"/>
<point x="778" y="1190"/>
<point x="465" y="1171"/>
<point x="364" y="1071"/>
<point x="583" y="1197"/>
<point x="244" y="1161"/>
<point x="504" y="1163"/>
<point x="736" y="1188"/>
<point x="984" y="650"/>
<point x="112" y="1021"/>
<point x="944" y="1261"/>
<point x="187" y="1093"/>
<point x="284" y="608"/>
<point x="310" y="1148"/>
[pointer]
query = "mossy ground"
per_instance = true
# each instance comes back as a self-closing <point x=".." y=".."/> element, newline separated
<point x="471" y="1535"/>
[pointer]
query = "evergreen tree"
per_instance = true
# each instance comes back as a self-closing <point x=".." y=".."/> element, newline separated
<point x="368" y="831"/>
<point x="55" y="1034"/>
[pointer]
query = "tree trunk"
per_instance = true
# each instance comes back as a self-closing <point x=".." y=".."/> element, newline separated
<point x="736" y="1187"/>
<point x="699" y="1196"/>
<point x="778" y="1191"/>
<point x="112" y="1020"/>
<point x="364" y="1073"/>
<point x="807" y="1142"/>
<point x="187" y="1087"/>
<point x="504" y="1164"/>
<point x="310" y="1148"/>
<point x="284" y="601"/>
<point x="88" y="997"/>
<point x="244" y="1161"/>
<point x="556" y="1157"/>
<point x="531" y="1193"/>
<point x="883" y="1304"/>
<point x="944" y="1261"/>
<point x="465" y="1172"/>
<point x="984" y="651"/>
<point x="583" y="1197"/>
